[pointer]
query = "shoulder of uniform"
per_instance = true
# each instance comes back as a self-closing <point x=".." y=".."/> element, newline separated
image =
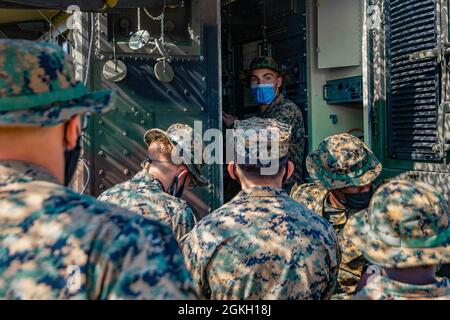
<point x="181" y="205"/>
<point x="308" y="188"/>
<point x="118" y="188"/>
<point x="96" y="213"/>
<point x="310" y="195"/>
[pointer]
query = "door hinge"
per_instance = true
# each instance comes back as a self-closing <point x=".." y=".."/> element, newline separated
<point x="426" y="54"/>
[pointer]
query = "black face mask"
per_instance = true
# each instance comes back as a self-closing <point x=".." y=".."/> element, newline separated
<point x="71" y="160"/>
<point x="174" y="190"/>
<point x="357" y="201"/>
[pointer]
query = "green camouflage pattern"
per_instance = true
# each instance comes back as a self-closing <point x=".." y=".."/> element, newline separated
<point x="145" y="195"/>
<point x="38" y="86"/>
<point x="383" y="288"/>
<point x="311" y="195"/>
<point x="183" y="138"/>
<point x="288" y="113"/>
<point x="405" y="226"/>
<point x="343" y="161"/>
<point x="262" y="245"/>
<point x="261" y="141"/>
<point x="314" y="196"/>
<point x="264" y="62"/>
<point x="57" y="244"/>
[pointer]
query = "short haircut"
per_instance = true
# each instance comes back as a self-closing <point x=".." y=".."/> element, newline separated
<point x="255" y="170"/>
<point x="160" y="149"/>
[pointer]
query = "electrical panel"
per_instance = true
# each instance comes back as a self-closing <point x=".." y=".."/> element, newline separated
<point x="343" y="91"/>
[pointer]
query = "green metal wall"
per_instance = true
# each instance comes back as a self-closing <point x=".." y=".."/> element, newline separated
<point x="115" y="146"/>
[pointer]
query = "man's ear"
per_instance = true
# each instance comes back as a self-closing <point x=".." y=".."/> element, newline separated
<point x="72" y="132"/>
<point x="279" y="82"/>
<point x="184" y="174"/>
<point x="290" y="169"/>
<point x="231" y="170"/>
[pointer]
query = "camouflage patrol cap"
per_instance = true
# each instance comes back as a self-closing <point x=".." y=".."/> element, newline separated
<point x="343" y="161"/>
<point x="264" y="62"/>
<point x="38" y="86"/>
<point x="183" y="138"/>
<point x="260" y="141"/>
<point x="405" y="226"/>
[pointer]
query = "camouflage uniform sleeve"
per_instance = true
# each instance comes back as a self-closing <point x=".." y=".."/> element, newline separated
<point x="195" y="261"/>
<point x="311" y="195"/>
<point x="332" y="285"/>
<point x="183" y="222"/>
<point x="290" y="114"/>
<point x="142" y="261"/>
<point x="353" y="264"/>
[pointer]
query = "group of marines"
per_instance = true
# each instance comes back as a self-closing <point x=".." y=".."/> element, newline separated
<point x="347" y="235"/>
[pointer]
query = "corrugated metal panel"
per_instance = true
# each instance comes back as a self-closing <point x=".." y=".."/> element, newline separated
<point x="413" y="86"/>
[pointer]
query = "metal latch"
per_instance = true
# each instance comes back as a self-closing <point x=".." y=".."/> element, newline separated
<point x="412" y="175"/>
<point x="426" y="54"/>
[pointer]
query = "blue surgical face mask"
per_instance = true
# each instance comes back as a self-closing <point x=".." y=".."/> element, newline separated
<point x="263" y="93"/>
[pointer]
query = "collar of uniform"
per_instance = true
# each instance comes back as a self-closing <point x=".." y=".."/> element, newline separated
<point x="336" y="216"/>
<point x="264" y="192"/>
<point x="440" y="288"/>
<point x="275" y="103"/>
<point x="145" y="177"/>
<point x="18" y="171"/>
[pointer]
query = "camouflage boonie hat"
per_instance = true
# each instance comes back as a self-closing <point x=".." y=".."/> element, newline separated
<point x="405" y="226"/>
<point x="264" y="63"/>
<point x="183" y="136"/>
<point x="260" y="141"/>
<point x="38" y="86"/>
<point x="343" y="161"/>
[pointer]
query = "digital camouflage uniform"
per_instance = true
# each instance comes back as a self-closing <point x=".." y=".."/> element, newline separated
<point x="145" y="195"/>
<point x="405" y="226"/>
<point x="55" y="243"/>
<point x="289" y="113"/>
<point x="340" y="161"/>
<point x="262" y="245"/>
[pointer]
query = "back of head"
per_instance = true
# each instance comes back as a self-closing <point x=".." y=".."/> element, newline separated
<point x="261" y="148"/>
<point x="160" y="149"/>
<point x="184" y="146"/>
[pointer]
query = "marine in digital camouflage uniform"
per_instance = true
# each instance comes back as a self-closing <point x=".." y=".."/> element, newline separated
<point x="405" y="229"/>
<point x="262" y="244"/>
<point x="145" y="194"/>
<point x="289" y="113"/>
<point x="55" y="243"/>
<point x="340" y="161"/>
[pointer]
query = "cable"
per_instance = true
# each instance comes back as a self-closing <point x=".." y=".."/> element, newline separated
<point x="91" y="41"/>
<point x="88" y="180"/>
